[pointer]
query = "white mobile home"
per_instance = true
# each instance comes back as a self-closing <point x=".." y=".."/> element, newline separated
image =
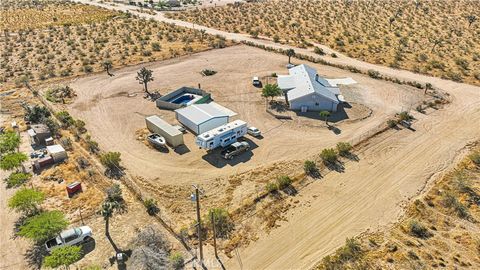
<point x="307" y="91"/>
<point x="200" y="118"/>
<point x="222" y="136"/>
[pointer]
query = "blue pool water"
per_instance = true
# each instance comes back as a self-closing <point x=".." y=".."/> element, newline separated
<point x="184" y="99"/>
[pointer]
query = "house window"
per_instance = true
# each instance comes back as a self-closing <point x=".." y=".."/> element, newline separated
<point x="316" y="104"/>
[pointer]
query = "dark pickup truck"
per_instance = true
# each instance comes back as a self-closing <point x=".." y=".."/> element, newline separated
<point x="235" y="149"/>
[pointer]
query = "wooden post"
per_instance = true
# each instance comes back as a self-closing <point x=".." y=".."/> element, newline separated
<point x="199" y="225"/>
<point x="214" y="235"/>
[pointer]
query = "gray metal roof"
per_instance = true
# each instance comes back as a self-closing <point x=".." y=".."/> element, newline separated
<point x="200" y="113"/>
<point x="304" y="80"/>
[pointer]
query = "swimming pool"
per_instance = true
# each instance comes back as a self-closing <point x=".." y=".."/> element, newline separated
<point x="183" y="99"/>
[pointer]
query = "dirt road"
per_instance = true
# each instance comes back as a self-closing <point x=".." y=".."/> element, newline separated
<point x="394" y="167"/>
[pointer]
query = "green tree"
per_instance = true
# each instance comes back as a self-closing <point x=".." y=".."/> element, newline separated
<point x="310" y="167"/>
<point x="325" y="115"/>
<point x="26" y="200"/>
<point x="63" y="256"/>
<point x="328" y="155"/>
<point x="114" y="202"/>
<point x="283" y="181"/>
<point x="16" y="179"/>
<point x="43" y="226"/>
<point x="144" y="76"/>
<point x="12" y="161"/>
<point x="107" y="65"/>
<point x="151" y="206"/>
<point x="9" y="142"/>
<point x="36" y="114"/>
<point x="290" y="53"/>
<point x="343" y="148"/>
<point x="428" y="86"/>
<point x="271" y="90"/>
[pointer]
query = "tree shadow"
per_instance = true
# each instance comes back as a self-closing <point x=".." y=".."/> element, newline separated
<point x="115" y="173"/>
<point x="278" y="106"/>
<point x="315" y="173"/>
<point x="34" y="255"/>
<point x="351" y="156"/>
<point x="334" y="129"/>
<point x="337" y="166"/>
<point x="17" y="224"/>
<point x="290" y="190"/>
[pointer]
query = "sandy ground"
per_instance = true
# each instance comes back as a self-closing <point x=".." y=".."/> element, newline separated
<point x="113" y="117"/>
<point x="16" y="247"/>
<point x="394" y="167"/>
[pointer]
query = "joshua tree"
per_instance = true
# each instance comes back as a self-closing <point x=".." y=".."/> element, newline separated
<point x="325" y="114"/>
<point x="107" y="65"/>
<point x="144" y="76"/>
<point x="471" y="19"/>
<point x="108" y="207"/>
<point x="290" y="53"/>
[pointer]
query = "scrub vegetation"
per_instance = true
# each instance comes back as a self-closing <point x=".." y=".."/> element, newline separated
<point x="439" y="230"/>
<point x="439" y="38"/>
<point x="52" y="41"/>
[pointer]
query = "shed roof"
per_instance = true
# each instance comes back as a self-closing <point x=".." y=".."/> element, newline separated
<point x="200" y="113"/>
<point x="56" y="148"/>
<point x="159" y="122"/>
<point x="40" y="129"/>
<point x="306" y="81"/>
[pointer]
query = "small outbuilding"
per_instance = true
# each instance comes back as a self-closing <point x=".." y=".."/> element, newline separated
<point x="57" y="152"/>
<point x="38" y="134"/>
<point x="307" y="91"/>
<point x="172" y="135"/>
<point x="200" y="118"/>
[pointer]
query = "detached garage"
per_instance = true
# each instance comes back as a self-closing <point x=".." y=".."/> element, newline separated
<point x="200" y="118"/>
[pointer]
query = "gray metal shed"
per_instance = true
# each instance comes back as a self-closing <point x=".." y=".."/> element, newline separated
<point x="172" y="135"/>
<point x="201" y="118"/>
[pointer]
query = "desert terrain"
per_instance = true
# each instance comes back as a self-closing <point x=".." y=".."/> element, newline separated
<point x="429" y="37"/>
<point x="391" y="176"/>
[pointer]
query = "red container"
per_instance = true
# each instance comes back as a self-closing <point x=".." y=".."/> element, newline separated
<point x="74" y="188"/>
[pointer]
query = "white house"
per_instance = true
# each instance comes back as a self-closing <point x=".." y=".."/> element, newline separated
<point x="201" y="118"/>
<point x="306" y="91"/>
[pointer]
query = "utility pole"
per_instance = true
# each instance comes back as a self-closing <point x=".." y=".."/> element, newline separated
<point x="214" y="235"/>
<point x="199" y="224"/>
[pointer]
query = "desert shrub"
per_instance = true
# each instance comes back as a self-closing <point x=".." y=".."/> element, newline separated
<point x="404" y="116"/>
<point x="111" y="160"/>
<point x="374" y="74"/>
<point x="271" y="187"/>
<point x="328" y="155"/>
<point x="475" y="157"/>
<point x="9" y="141"/>
<point x="12" y="161"/>
<point x="63" y="256"/>
<point x="36" y="114"/>
<point x="151" y="206"/>
<point x="310" y="167"/>
<point x="391" y="123"/>
<point x="65" y="118"/>
<point x="418" y="230"/>
<point x="318" y="51"/>
<point x="150" y="250"/>
<point x="223" y="223"/>
<point x="344" y="148"/>
<point x="351" y="251"/>
<point x="208" y="72"/>
<point x="16" y="179"/>
<point x="177" y="261"/>
<point x="283" y="181"/>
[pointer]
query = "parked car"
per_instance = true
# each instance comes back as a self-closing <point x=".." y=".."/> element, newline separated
<point x="235" y="149"/>
<point x="256" y="81"/>
<point x="70" y="237"/>
<point x="253" y="131"/>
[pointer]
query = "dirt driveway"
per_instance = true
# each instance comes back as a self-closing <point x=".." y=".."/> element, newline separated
<point x="113" y="114"/>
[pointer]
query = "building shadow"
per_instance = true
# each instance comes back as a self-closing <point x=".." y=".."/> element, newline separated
<point x="340" y="115"/>
<point x="181" y="149"/>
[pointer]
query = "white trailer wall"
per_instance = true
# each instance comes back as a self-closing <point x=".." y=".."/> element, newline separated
<point x="157" y="125"/>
